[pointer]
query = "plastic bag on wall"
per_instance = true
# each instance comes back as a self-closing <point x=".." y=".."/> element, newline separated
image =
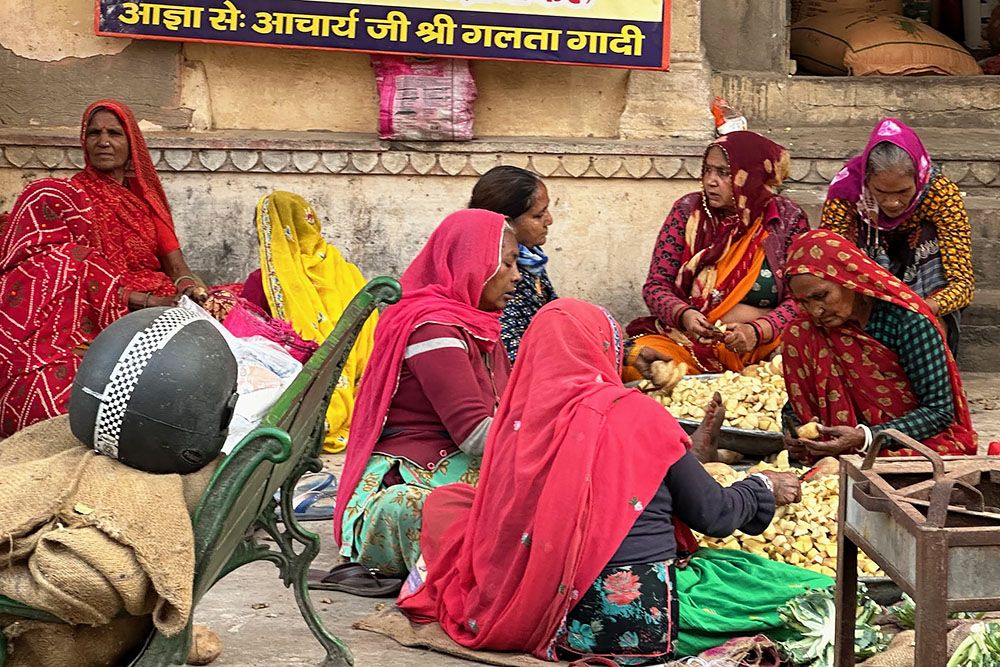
<point x="424" y="99"/>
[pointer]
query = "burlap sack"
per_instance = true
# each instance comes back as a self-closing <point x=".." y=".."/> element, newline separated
<point x="804" y="9"/>
<point x="863" y="44"/>
<point x="88" y="540"/>
<point x="901" y="650"/>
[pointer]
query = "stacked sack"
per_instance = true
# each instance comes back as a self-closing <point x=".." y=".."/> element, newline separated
<point x="864" y="43"/>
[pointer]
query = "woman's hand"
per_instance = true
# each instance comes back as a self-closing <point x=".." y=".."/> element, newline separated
<point x="644" y="359"/>
<point x="796" y="448"/>
<point x="740" y="338"/>
<point x="198" y="294"/>
<point x="787" y="487"/>
<point x="168" y="301"/>
<point x="696" y="325"/>
<point x="837" y="441"/>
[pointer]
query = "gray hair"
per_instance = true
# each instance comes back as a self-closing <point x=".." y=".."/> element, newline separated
<point x="886" y="156"/>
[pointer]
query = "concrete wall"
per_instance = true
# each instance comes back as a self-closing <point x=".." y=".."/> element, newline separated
<point x="746" y="36"/>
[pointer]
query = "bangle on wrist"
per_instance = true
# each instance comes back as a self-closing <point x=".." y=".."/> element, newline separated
<point x="145" y="303"/>
<point x="188" y="276"/>
<point x="869" y="438"/>
<point x="756" y="333"/>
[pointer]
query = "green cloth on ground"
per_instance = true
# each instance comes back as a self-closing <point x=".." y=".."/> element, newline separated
<point x="725" y="593"/>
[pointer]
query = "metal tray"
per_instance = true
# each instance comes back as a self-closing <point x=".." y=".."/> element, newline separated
<point x="759" y="444"/>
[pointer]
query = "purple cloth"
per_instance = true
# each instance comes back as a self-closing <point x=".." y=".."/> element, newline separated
<point x="849" y="183"/>
<point x="253" y="291"/>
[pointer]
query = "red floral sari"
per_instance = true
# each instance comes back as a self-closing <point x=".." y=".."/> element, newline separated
<point x="132" y="225"/>
<point x="58" y="294"/>
<point x="844" y="376"/>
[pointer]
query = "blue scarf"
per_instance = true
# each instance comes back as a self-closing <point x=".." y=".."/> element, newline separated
<point x="532" y="260"/>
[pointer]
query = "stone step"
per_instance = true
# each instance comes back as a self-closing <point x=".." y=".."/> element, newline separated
<point x="771" y="100"/>
<point x="980" y="347"/>
<point x="984" y="214"/>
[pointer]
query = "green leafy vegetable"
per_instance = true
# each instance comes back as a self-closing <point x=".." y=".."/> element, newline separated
<point x="905" y="612"/>
<point x="812" y="616"/>
<point x="980" y="649"/>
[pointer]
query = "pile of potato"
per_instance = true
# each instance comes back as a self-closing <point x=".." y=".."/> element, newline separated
<point x="753" y="398"/>
<point x="803" y="534"/>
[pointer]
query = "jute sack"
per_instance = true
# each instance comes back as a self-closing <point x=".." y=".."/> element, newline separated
<point x="863" y="44"/>
<point x="901" y="650"/>
<point x="803" y="9"/>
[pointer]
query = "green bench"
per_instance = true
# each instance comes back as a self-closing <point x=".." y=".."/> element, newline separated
<point x="240" y="500"/>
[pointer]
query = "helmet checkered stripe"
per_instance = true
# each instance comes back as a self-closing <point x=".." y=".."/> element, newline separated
<point x="126" y="373"/>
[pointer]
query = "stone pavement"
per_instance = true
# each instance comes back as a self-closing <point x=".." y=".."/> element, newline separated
<point x="259" y="623"/>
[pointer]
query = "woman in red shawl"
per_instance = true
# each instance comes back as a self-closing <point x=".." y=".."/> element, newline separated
<point x="568" y="542"/>
<point x="131" y="222"/>
<point x="429" y="393"/>
<point x="867" y="355"/>
<point x="721" y="256"/>
<point x="58" y="294"/>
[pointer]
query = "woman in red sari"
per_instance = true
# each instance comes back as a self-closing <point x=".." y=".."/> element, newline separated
<point x="131" y="222"/>
<point x="58" y="294"/>
<point x="867" y="355"/>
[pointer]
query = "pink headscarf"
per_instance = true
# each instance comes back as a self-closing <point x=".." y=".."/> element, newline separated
<point x="572" y="458"/>
<point x="849" y="183"/>
<point x="442" y="285"/>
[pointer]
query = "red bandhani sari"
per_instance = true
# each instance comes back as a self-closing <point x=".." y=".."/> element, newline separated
<point x="58" y="294"/>
<point x="442" y="285"/>
<point x="132" y="225"/>
<point x="843" y="376"/>
<point x="572" y="459"/>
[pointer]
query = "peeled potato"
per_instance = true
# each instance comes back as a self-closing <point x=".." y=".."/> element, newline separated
<point x="808" y="431"/>
<point x="718" y="469"/>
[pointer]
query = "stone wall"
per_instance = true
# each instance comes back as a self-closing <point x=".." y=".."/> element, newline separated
<point x="379" y="203"/>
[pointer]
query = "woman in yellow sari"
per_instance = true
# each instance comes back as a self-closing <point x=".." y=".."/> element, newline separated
<point x="716" y="282"/>
<point x="308" y="284"/>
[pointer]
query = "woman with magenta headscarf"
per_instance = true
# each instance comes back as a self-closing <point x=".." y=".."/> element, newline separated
<point x="898" y="207"/>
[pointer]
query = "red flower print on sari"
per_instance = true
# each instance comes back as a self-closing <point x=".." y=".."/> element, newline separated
<point x="622" y="588"/>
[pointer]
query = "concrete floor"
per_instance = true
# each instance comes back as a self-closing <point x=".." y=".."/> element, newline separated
<point x="260" y="625"/>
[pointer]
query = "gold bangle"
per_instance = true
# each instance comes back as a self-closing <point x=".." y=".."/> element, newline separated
<point x="178" y="279"/>
<point x="145" y="304"/>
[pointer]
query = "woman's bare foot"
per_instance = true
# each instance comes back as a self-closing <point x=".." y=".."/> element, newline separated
<point x="705" y="439"/>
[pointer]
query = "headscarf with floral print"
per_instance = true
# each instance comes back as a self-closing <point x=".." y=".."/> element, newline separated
<point x="757" y="165"/>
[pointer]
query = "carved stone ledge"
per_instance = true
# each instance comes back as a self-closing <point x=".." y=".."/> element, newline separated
<point x="604" y="159"/>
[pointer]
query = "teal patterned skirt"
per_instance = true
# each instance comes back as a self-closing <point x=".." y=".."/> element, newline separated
<point x="629" y="615"/>
<point x="381" y="527"/>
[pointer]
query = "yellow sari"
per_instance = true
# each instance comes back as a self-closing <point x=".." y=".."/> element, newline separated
<point x="309" y="284"/>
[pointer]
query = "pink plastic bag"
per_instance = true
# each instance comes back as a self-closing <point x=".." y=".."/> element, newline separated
<point x="424" y="99"/>
<point x="246" y="319"/>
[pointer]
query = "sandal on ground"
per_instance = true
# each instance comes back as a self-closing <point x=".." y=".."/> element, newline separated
<point x="355" y="579"/>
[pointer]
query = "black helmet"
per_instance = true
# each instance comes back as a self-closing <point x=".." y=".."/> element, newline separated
<point x="156" y="390"/>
